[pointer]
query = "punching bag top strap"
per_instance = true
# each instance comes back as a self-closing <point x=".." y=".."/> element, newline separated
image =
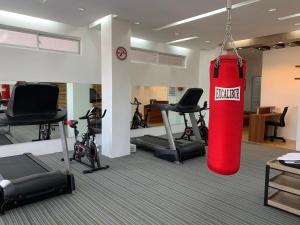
<point x="239" y="65"/>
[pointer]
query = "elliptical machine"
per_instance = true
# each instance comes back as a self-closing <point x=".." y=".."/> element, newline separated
<point x="137" y="119"/>
<point x="203" y="130"/>
<point x="86" y="148"/>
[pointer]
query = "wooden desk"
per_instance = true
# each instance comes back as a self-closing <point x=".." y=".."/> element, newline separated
<point x="153" y="116"/>
<point x="257" y="127"/>
<point x="265" y="109"/>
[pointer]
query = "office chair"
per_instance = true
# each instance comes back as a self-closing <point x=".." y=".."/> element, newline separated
<point x="276" y="124"/>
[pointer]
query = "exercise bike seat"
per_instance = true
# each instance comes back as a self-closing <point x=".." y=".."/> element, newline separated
<point x="72" y="123"/>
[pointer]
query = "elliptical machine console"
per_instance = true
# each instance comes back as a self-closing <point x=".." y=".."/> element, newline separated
<point x="86" y="147"/>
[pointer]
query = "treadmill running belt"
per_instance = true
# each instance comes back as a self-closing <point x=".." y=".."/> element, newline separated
<point x="4" y="140"/>
<point x="16" y="167"/>
<point x="157" y="140"/>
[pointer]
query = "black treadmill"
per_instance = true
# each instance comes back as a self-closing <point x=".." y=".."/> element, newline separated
<point x="24" y="178"/>
<point x="170" y="149"/>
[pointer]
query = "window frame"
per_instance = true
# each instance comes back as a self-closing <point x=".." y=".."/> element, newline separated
<point x="44" y="34"/>
<point x="184" y="57"/>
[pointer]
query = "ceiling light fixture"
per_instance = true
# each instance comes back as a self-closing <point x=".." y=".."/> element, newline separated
<point x="137" y="23"/>
<point x="177" y="33"/>
<point x="207" y="41"/>
<point x="289" y="17"/>
<point x="81" y="9"/>
<point x="272" y="10"/>
<point x="214" y="12"/>
<point x="183" y="39"/>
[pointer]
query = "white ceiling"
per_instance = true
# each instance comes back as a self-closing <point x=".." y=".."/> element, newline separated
<point x="248" y="22"/>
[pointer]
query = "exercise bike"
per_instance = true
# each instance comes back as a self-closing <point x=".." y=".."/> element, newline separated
<point x="203" y="130"/>
<point x="86" y="148"/>
<point x="137" y="119"/>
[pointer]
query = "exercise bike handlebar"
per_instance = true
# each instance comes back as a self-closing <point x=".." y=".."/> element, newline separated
<point x="103" y="114"/>
<point x="91" y="112"/>
<point x="135" y="102"/>
<point x="204" y="107"/>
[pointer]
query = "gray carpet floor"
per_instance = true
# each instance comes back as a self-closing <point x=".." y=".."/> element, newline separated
<point x="141" y="189"/>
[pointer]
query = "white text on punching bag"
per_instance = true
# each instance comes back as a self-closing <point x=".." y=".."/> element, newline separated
<point x="227" y="94"/>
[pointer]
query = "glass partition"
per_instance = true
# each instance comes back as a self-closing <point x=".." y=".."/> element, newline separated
<point x="76" y="99"/>
<point x="148" y="95"/>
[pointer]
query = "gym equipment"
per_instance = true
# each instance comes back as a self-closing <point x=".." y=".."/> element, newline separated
<point x="170" y="149"/>
<point x="4" y="140"/>
<point x="86" y="148"/>
<point x="137" y="119"/>
<point x="45" y="132"/>
<point x="24" y="178"/>
<point x="5" y="94"/>
<point x="188" y="131"/>
<point x="226" y="109"/>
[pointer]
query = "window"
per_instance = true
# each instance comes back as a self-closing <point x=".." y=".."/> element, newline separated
<point x="58" y="44"/>
<point x="174" y="60"/>
<point x="17" y="38"/>
<point x="39" y="41"/>
<point x="145" y="56"/>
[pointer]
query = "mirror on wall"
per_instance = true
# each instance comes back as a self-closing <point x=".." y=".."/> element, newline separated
<point x="144" y="96"/>
<point x="76" y="98"/>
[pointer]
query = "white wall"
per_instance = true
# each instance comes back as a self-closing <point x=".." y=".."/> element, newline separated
<point x="163" y="75"/>
<point x="279" y="87"/>
<point x="27" y="64"/>
<point x="206" y="56"/>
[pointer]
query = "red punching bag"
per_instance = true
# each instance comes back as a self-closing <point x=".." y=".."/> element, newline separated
<point x="227" y="77"/>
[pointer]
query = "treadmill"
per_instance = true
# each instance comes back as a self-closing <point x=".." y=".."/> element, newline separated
<point x="169" y="149"/>
<point x="24" y="178"/>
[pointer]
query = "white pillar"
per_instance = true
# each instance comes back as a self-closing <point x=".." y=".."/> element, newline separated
<point x="78" y="103"/>
<point x="116" y="87"/>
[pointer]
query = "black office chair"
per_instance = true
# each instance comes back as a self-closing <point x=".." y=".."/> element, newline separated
<point x="276" y="124"/>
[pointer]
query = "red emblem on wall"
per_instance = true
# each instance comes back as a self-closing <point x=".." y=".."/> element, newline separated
<point x="121" y="53"/>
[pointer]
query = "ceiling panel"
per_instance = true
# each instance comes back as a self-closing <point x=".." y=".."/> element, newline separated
<point x="249" y="21"/>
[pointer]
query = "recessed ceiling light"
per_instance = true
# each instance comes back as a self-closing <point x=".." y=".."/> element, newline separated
<point x="81" y="9"/>
<point x="137" y="23"/>
<point x="289" y="17"/>
<point x="297" y="24"/>
<point x="183" y="39"/>
<point x="272" y="10"/>
<point x="211" y="13"/>
<point x="207" y="41"/>
<point x="177" y="33"/>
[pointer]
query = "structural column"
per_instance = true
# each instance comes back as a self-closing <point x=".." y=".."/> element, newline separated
<point x="116" y="87"/>
<point x="78" y="103"/>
